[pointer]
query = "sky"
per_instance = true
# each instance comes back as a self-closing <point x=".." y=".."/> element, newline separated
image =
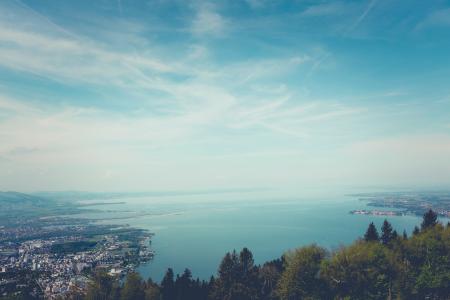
<point x="124" y="95"/>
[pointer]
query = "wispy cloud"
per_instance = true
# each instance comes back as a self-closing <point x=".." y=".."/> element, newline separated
<point x="437" y="18"/>
<point x="365" y="13"/>
<point x="140" y="101"/>
<point x="326" y="9"/>
<point x="208" y="22"/>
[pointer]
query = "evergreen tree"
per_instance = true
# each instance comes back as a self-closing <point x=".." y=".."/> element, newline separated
<point x="102" y="287"/>
<point x="394" y="235"/>
<point x="386" y="232"/>
<point x="300" y="279"/>
<point x="429" y="220"/>
<point x="236" y="277"/>
<point x="152" y="290"/>
<point x="405" y="235"/>
<point x="269" y="275"/>
<point x="416" y="230"/>
<point x="133" y="288"/>
<point x="246" y="262"/>
<point x="168" y="286"/>
<point x="229" y="269"/>
<point x="371" y="233"/>
<point x="184" y="286"/>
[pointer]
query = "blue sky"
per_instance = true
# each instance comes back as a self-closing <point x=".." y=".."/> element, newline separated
<point x="164" y="95"/>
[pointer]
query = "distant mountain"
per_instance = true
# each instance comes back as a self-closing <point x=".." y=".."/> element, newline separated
<point x="81" y="195"/>
<point x="16" y="200"/>
<point x="17" y="208"/>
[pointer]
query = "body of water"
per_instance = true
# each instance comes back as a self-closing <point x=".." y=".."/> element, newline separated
<point x="195" y="232"/>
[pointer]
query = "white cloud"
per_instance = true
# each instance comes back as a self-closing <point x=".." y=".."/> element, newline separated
<point x="208" y="22"/>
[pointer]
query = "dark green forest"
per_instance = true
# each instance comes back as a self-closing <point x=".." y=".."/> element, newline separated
<point x="380" y="265"/>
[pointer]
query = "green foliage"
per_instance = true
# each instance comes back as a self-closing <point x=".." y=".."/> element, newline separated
<point x="102" y="287"/>
<point x="426" y="259"/>
<point x="361" y="271"/>
<point x="152" y="291"/>
<point x="133" y="289"/>
<point x="269" y="276"/>
<point x="73" y="247"/>
<point x="300" y="279"/>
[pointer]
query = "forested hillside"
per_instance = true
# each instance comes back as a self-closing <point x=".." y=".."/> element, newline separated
<point x="381" y="265"/>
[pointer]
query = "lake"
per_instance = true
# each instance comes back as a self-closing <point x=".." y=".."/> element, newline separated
<point x="195" y="231"/>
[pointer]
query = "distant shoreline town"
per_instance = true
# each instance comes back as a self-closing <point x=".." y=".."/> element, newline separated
<point x="406" y="203"/>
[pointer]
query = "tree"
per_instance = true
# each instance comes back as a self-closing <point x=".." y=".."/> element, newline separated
<point x="405" y="235"/>
<point x="416" y="230"/>
<point x="429" y="220"/>
<point x="269" y="275"/>
<point x="246" y="263"/>
<point x="237" y="277"/>
<point x="300" y="279"/>
<point x="102" y="287"/>
<point x="228" y="269"/>
<point x="427" y="272"/>
<point x="394" y="235"/>
<point x="152" y="291"/>
<point x="371" y="233"/>
<point x="387" y="234"/>
<point x="168" y="286"/>
<point x="361" y="271"/>
<point x="184" y="286"/>
<point x="133" y="288"/>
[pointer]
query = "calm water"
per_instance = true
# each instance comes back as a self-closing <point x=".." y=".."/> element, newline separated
<point x="196" y="231"/>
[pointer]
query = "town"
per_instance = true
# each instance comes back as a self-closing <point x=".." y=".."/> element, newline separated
<point x="48" y="252"/>
<point x="58" y="266"/>
<point x="404" y="203"/>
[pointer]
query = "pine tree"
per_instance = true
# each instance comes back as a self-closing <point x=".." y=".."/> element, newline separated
<point x="184" y="286"/>
<point x="103" y="287"/>
<point x="133" y="288"/>
<point x="227" y="276"/>
<point x="416" y="230"/>
<point x="429" y="220"/>
<point x="394" y="235"/>
<point x="168" y="286"/>
<point x="246" y="263"/>
<point x="152" y="290"/>
<point x="386" y="230"/>
<point x="371" y="233"/>
<point x="405" y="235"/>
